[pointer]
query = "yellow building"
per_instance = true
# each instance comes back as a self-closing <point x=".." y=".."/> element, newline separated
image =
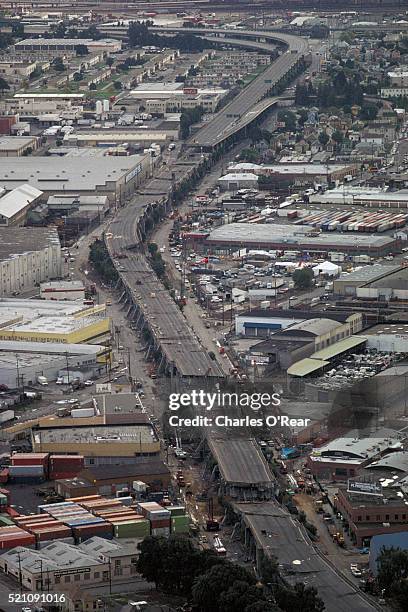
<point x="67" y="330"/>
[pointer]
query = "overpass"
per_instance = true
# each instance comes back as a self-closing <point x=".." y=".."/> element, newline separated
<point x="253" y="100"/>
<point x="171" y="343"/>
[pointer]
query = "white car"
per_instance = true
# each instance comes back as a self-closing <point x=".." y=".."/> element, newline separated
<point x="88" y="383"/>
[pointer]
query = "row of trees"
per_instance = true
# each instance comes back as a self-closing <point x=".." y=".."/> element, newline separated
<point x="156" y="260"/>
<point x="189" y="116"/>
<point x="99" y="257"/>
<point x="216" y="585"/>
<point x="140" y="36"/>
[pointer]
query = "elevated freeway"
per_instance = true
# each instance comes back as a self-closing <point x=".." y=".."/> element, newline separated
<point x="270" y="530"/>
<point x="172" y="343"/>
<point x="253" y="100"/>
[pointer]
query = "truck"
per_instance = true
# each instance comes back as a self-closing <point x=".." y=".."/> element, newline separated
<point x="6" y="415"/>
<point x="42" y="380"/>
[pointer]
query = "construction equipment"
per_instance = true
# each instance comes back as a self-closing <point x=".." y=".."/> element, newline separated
<point x="211" y="524"/>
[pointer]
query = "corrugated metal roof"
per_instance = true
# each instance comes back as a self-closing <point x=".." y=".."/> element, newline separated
<point x="16" y="200"/>
<point x="339" y="347"/>
<point x="306" y="366"/>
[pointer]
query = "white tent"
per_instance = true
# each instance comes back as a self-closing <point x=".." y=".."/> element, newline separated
<point x="327" y="268"/>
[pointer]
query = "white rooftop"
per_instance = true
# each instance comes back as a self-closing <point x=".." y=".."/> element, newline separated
<point x="17" y="199"/>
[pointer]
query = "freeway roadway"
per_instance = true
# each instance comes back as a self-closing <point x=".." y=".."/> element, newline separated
<point x="250" y="102"/>
<point x="279" y="535"/>
<point x="180" y="348"/>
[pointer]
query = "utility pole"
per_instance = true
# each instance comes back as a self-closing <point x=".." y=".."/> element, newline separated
<point x="67" y="362"/>
<point x="18" y="372"/>
<point x="20" y="576"/>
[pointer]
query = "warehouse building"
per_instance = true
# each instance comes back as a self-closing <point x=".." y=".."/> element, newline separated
<point x="238" y="180"/>
<point x="16" y="146"/>
<point x="371" y="197"/>
<point x="301" y="340"/>
<point x="261" y="323"/>
<point x="297" y="172"/>
<point x="22" y="362"/>
<point x="228" y="238"/>
<point x="108" y="45"/>
<point x="93" y="441"/>
<point x="345" y="457"/>
<point x="388" y="337"/>
<point x="53" y="321"/>
<point x="62" y="290"/>
<point x="107" y="479"/>
<point x="28" y="256"/>
<point x="114" y="177"/>
<point x="58" y="565"/>
<point x="325" y="358"/>
<point x="15" y="205"/>
<point x="350" y="283"/>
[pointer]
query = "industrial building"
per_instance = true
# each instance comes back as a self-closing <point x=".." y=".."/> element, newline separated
<point x="374" y="197"/>
<point x="227" y="238"/>
<point x="388" y="337"/>
<point x="53" y="321"/>
<point x="55" y="566"/>
<point x="107" y="479"/>
<point x="114" y="177"/>
<point x="297" y="172"/>
<point x="28" y="256"/>
<point x="22" y="362"/>
<point x="108" y="45"/>
<point x="261" y="323"/>
<point x="344" y="457"/>
<point x="378" y="275"/>
<point x="15" y="205"/>
<point x="234" y="181"/>
<point x="326" y="358"/>
<point x="16" y="146"/>
<point x="300" y="340"/>
<point x="162" y="98"/>
<point x="93" y="441"/>
<point x="62" y="290"/>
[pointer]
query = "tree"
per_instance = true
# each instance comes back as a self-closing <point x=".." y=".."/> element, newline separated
<point x="337" y="137"/>
<point x="78" y="76"/>
<point x="368" y="112"/>
<point x="323" y="138"/>
<point x="81" y="50"/>
<point x="58" y="64"/>
<point x="152" y="248"/>
<point x="117" y="85"/>
<point x="392" y="566"/>
<point x="249" y="155"/>
<point x="109" y="61"/>
<point x="288" y="118"/>
<point x="3" y="85"/>
<point x="92" y="86"/>
<point x="303" y="278"/>
<point x="207" y="589"/>
<point x="300" y="597"/>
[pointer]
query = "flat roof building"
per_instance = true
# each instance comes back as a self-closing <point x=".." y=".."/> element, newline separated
<point x="113" y="441"/>
<point x="109" y="45"/>
<point x="115" y="177"/>
<point x="15" y="146"/>
<point x="348" y="283"/>
<point x="28" y="256"/>
<point x="288" y="237"/>
<point x="53" y="321"/>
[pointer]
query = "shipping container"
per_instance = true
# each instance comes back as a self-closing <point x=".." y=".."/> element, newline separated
<point x="84" y="499"/>
<point x="176" y="510"/>
<point x="26" y="470"/>
<point x="161" y="531"/>
<point x="29" y="459"/>
<point x="85" y="532"/>
<point x="132" y="529"/>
